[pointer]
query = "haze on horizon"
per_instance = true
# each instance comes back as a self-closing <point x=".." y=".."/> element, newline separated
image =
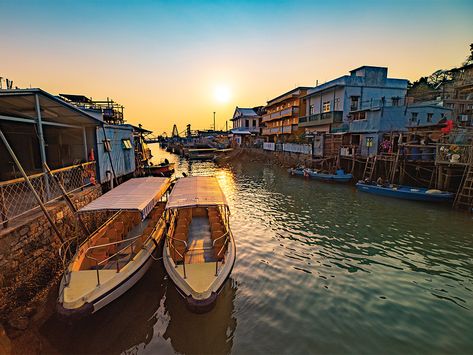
<point x="178" y="62"/>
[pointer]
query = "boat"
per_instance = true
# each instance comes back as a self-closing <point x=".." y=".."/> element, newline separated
<point x="200" y="250"/>
<point x="299" y="171"/>
<point x="339" y="176"/>
<point x="164" y="169"/>
<point x="406" y="192"/>
<point x="201" y="153"/>
<point x="114" y="257"/>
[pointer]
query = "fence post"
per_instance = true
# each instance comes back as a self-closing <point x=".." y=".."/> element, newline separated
<point x="3" y="208"/>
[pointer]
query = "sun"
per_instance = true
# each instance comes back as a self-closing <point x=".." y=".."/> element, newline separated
<point x="222" y="94"/>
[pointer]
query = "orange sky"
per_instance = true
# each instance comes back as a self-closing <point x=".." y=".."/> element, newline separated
<point x="163" y="61"/>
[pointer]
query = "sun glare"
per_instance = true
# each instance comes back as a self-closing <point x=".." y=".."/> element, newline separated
<point x="222" y="94"/>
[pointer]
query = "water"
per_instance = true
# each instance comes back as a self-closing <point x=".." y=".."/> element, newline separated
<point x="320" y="268"/>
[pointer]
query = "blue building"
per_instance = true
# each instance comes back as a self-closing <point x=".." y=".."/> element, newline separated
<point x="367" y="126"/>
<point x="331" y="106"/>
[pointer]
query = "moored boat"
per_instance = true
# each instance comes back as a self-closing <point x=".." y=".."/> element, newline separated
<point x="112" y="259"/>
<point x="406" y="192"/>
<point x="164" y="169"/>
<point x="201" y="153"/>
<point x="200" y="251"/>
<point x="299" y="171"/>
<point x="339" y="176"/>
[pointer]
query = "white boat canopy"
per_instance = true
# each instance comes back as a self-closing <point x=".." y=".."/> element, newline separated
<point x="138" y="194"/>
<point x="196" y="191"/>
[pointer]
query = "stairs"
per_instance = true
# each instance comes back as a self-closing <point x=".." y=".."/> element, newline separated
<point x="369" y="168"/>
<point x="464" y="197"/>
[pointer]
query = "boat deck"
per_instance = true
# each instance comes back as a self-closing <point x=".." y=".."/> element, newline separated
<point x="199" y="239"/>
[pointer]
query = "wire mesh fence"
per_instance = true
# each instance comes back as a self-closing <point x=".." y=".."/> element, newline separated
<point x="16" y="198"/>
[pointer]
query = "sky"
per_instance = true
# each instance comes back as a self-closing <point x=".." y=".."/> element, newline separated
<point x="179" y="61"/>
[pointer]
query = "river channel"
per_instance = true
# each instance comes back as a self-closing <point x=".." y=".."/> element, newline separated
<point x="321" y="268"/>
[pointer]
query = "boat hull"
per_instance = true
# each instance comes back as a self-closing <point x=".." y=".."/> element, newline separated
<point x="406" y="193"/>
<point x="330" y="177"/>
<point x="166" y="170"/>
<point x="194" y="304"/>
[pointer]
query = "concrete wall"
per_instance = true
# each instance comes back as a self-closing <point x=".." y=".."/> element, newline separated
<point x="29" y="251"/>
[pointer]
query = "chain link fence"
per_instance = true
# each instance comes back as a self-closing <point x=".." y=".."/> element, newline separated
<point x="16" y="198"/>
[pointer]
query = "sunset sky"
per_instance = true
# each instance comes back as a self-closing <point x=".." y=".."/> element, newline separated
<point x="177" y="62"/>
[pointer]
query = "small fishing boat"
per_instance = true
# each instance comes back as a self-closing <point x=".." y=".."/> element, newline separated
<point x="339" y="176"/>
<point x="406" y="192"/>
<point x="200" y="251"/>
<point x="113" y="258"/>
<point x="201" y="153"/>
<point x="299" y="171"/>
<point x="164" y="169"/>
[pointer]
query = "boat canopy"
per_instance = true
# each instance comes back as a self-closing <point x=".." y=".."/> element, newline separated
<point x="138" y="194"/>
<point x="196" y="191"/>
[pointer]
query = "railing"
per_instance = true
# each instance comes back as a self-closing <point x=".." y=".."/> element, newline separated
<point x="454" y="154"/>
<point x="321" y="118"/>
<point x="294" y="110"/>
<point x="297" y="148"/>
<point x="268" y="146"/>
<point x="131" y="243"/>
<point x="16" y="199"/>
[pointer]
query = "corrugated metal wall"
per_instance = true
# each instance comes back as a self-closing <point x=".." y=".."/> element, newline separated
<point x="123" y="159"/>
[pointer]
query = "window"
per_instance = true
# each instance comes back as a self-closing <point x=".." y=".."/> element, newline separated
<point x="247" y="123"/>
<point x="326" y="106"/>
<point x="396" y="101"/>
<point x="359" y="116"/>
<point x="429" y="117"/>
<point x="311" y="109"/>
<point x="126" y="144"/>
<point x="354" y="103"/>
<point x="107" y="146"/>
<point x="254" y="123"/>
<point x="414" y="116"/>
<point x="336" y="104"/>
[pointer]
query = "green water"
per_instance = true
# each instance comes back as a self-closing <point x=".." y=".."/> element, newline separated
<point x="320" y="268"/>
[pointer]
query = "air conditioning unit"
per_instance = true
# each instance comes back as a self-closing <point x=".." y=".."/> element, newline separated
<point x="464" y="118"/>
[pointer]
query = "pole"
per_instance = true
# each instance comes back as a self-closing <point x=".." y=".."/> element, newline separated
<point x="114" y="177"/>
<point x="28" y="182"/>
<point x="67" y="198"/>
<point x="42" y="149"/>
<point x="214" y="121"/>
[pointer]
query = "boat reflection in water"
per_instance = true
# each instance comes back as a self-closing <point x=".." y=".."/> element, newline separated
<point x="151" y="316"/>
<point x="127" y="324"/>
<point x="208" y="333"/>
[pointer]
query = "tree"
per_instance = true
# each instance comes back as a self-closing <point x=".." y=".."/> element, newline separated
<point x="469" y="59"/>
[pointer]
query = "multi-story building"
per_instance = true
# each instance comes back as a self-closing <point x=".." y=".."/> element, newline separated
<point x="246" y="125"/>
<point x="282" y="114"/>
<point x="331" y="106"/>
<point x="457" y="94"/>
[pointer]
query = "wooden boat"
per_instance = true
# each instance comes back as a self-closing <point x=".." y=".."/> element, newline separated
<point x="339" y="176"/>
<point x="199" y="252"/>
<point x="201" y="153"/>
<point x="406" y="192"/>
<point x="299" y="171"/>
<point x="117" y="255"/>
<point x="163" y="169"/>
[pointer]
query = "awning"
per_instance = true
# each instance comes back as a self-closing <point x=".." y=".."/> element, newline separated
<point x="139" y="194"/>
<point x="196" y="191"/>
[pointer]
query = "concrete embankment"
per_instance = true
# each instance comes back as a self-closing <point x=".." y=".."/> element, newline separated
<point x="30" y="264"/>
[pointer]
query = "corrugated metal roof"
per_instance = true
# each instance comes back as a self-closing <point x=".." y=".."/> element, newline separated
<point x="139" y="194"/>
<point x="196" y="191"/>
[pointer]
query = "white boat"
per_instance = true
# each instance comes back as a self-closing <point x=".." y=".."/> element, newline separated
<point x="112" y="259"/>
<point x="200" y="251"/>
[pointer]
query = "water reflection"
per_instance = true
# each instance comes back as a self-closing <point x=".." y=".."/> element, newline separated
<point x="212" y="332"/>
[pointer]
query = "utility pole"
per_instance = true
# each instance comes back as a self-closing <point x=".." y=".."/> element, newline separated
<point x="214" y="121"/>
<point x="226" y="126"/>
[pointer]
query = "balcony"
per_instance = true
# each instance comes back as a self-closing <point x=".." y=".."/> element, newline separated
<point x="319" y="119"/>
<point x="287" y="112"/>
<point x="277" y="130"/>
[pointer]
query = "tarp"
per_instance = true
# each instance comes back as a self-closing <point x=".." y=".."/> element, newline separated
<point x="196" y="191"/>
<point x="139" y="194"/>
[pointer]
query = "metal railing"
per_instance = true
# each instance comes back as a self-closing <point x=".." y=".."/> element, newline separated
<point x="16" y="198"/>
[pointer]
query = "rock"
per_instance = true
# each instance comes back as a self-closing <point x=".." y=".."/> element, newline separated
<point x="18" y="322"/>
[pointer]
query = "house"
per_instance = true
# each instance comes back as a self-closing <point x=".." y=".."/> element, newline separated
<point x="457" y="94"/>
<point x="246" y="125"/>
<point x="331" y="106"/>
<point x="368" y="126"/>
<point x="282" y="115"/>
